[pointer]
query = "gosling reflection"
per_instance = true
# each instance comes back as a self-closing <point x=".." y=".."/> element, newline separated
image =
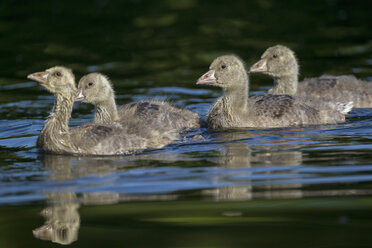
<point x="237" y="154"/>
<point x="62" y="219"/>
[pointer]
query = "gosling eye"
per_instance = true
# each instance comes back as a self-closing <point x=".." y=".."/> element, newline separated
<point x="223" y="66"/>
<point x="90" y="84"/>
<point x="275" y="56"/>
<point x="58" y="74"/>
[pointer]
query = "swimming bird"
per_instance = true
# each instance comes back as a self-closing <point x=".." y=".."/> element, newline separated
<point x="280" y="62"/>
<point x="235" y="109"/>
<point x="91" y="138"/>
<point x="97" y="89"/>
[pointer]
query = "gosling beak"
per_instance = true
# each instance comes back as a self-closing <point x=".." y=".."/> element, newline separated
<point x="40" y="77"/>
<point x="260" y="66"/>
<point x="79" y="95"/>
<point x="208" y="78"/>
<point x="45" y="232"/>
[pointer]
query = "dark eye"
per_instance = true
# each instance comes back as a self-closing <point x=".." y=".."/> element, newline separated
<point x="90" y="84"/>
<point x="223" y="66"/>
<point x="275" y="56"/>
<point x="58" y="74"/>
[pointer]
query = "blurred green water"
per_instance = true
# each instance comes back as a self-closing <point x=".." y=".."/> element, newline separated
<point x="314" y="222"/>
<point x="143" y="40"/>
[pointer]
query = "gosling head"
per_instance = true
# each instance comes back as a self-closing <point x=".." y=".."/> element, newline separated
<point x="277" y="61"/>
<point x="94" y="88"/>
<point x="57" y="80"/>
<point x="225" y="71"/>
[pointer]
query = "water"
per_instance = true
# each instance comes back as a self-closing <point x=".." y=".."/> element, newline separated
<point x="290" y="187"/>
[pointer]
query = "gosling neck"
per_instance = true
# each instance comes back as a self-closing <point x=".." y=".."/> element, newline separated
<point x="286" y="84"/>
<point x="55" y="135"/>
<point x="235" y="99"/>
<point x="106" y="111"/>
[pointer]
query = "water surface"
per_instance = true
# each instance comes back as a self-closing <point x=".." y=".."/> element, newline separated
<point x="289" y="187"/>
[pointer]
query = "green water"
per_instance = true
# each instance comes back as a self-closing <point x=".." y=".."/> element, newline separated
<point x="290" y="187"/>
<point x="270" y="223"/>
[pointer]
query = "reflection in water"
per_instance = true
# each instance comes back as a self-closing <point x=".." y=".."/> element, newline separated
<point x="269" y="190"/>
<point x="62" y="219"/>
<point x="233" y="170"/>
<point x="237" y="154"/>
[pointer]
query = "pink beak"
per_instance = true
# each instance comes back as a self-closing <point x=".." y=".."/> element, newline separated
<point x="40" y="77"/>
<point x="207" y="78"/>
<point x="260" y="66"/>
